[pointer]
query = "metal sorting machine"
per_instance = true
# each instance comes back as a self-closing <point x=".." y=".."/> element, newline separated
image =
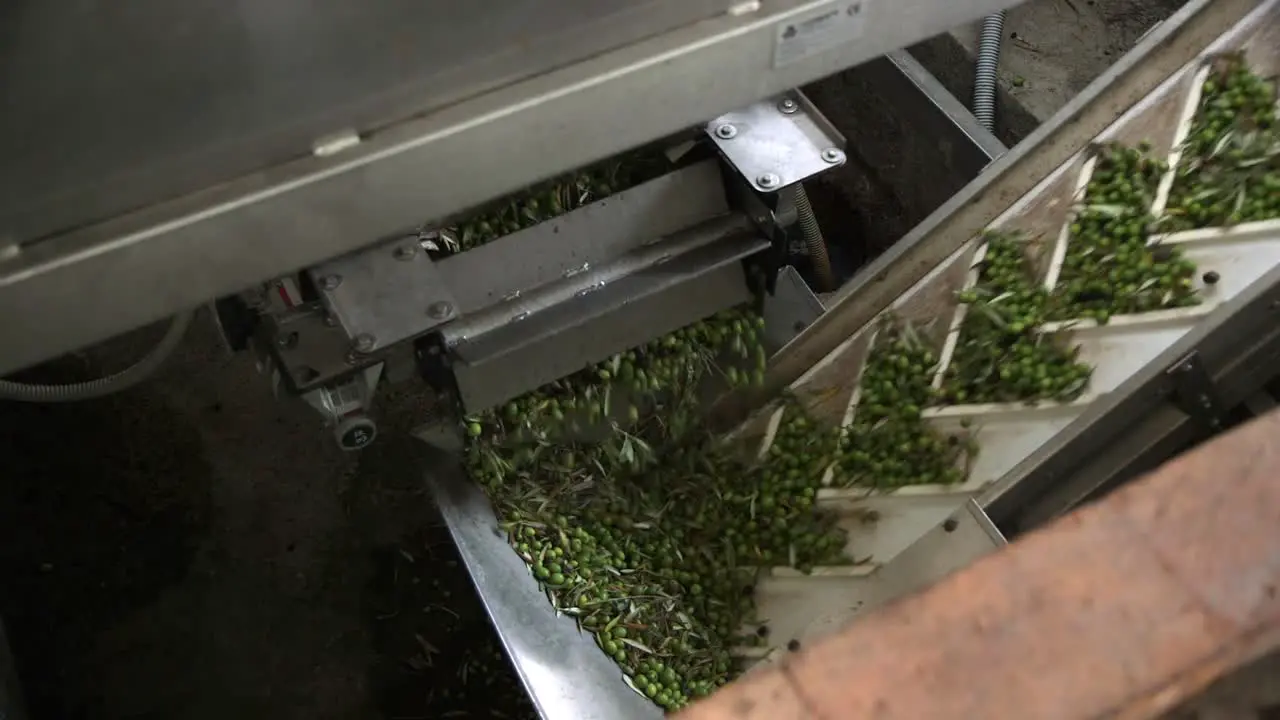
<point x="1161" y="380"/>
<point x="309" y="186"/>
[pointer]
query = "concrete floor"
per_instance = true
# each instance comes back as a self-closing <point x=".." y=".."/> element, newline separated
<point x="183" y="550"/>
<point x="197" y="549"/>
<point x="1052" y="49"/>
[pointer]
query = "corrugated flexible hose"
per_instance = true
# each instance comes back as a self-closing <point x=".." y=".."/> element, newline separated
<point x="984" y="78"/>
<point x="813" y="240"/>
<point x="127" y="378"/>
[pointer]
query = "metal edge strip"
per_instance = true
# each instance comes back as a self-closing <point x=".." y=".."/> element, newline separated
<point x="565" y="674"/>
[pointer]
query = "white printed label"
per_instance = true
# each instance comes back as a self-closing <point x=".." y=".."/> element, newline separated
<point x="818" y="30"/>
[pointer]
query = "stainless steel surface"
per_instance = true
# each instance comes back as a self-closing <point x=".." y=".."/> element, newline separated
<point x="938" y="114"/>
<point x="109" y="110"/>
<point x="375" y="299"/>
<point x="585" y="238"/>
<point x="974" y="511"/>
<point x="467" y="337"/>
<point x="652" y="299"/>
<point x="790" y="309"/>
<point x="566" y="675"/>
<point x="87" y="284"/>
<point x="306" y="349"/>
<point x="345" y="398"/>
<point x="777" y="141"/>
<point x="386" y="294"/>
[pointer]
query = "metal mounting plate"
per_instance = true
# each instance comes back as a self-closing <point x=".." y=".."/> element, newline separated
<point x="1194" y="392"/>
<point x="385" y="295"/>
<point x="585" y="238"/>
<point x="557" y="338"/>
<point x="778" y="141"/>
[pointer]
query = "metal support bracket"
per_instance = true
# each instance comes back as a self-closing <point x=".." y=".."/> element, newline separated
<point x="345" y="406"/>
<point x="778" y="141"/>
<point x="1194" y="392"/>
<point x="386" y="294"/>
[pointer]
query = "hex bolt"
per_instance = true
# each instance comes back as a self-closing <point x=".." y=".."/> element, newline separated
<point x="788" y="106"/>
<point x="768" y="180"/>
<point x="726" y="131"/>
<point x="330" y="282"/>
<point x="363" y="343"/>
<point x="439" y="310"/>
<point x="406" y="251"/>
<point x="832" y="155"/>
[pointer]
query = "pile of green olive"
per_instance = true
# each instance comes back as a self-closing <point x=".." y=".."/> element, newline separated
<point x="1230" y="168"/>
<point x="1001" y="356"/>
<point x="652" y="538"/>
<point x="554" y="198"/>
<point x="664" y="373"/>
<point x="1109" y="267"/>
<point x="888" y="444"/>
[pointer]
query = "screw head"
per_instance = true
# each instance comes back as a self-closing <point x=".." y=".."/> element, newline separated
<point x="832" y="155"/>
<point x="405" y="251"/>
<point x="440" y="310"/>
<point x="768" y="180"/>
<point x="726" y="131"/>
<point x="788" y="106"/>
<point x="363" y="343"/>
<point x="330" y="282"/>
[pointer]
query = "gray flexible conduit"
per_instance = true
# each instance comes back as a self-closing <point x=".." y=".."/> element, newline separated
<point x="813" y="240"/>
<point x="127" y="378"/>
<point x="984" y="77"/>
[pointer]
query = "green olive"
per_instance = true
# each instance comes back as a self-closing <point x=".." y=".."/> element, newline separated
<point x="1110" y="267"/>
<point x="1229" y="171"/>
<point x="1001" y="356"/>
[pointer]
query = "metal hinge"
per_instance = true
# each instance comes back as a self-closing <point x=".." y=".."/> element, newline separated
<point x="1194" y="392"/>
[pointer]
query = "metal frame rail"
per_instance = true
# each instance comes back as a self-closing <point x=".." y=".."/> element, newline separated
<point x="68" y="291"/>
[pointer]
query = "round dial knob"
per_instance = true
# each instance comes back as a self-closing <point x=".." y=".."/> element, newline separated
<point x="356" y="432"/>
